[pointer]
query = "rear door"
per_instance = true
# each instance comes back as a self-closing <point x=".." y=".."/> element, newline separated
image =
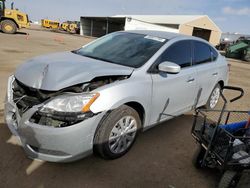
<point x="207" y="72"/>
<point x="174" y="94"/>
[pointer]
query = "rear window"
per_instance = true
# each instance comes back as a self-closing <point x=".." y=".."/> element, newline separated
<point x="214" y="54"/>
<point x="202" y="53"/>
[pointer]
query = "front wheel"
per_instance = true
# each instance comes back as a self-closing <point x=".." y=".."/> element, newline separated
<point x="8" y="26"/>
<point x="214" y="97"/>
<point x="117" y="132"/>
<point x="230" y="179"/>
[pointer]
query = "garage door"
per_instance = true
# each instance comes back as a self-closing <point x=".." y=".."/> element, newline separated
<point x="202" y="33"/>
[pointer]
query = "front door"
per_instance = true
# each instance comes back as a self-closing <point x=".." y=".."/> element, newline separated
<point x="174" y="94"/>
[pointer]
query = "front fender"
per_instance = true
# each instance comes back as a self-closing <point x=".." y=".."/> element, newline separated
<point x="121" y="92"/>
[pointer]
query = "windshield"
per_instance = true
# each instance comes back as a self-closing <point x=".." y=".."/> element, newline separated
<point x="128" y="49"/>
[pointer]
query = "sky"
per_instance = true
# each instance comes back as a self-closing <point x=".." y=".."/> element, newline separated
<point x="229" y="15"/>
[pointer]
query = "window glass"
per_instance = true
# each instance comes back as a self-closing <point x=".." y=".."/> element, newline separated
<point x="214" y="54"/>
<point x="128" y="49"/>
<point x="1" y="5"/>
<point x="179" y="53"/>
<point x="202" y="53"/>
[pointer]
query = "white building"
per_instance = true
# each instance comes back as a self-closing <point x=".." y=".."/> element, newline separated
<point x="195" y="25"/>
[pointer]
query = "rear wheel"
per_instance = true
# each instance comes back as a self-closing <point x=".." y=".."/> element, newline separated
<point x="198" y="157"/>
<point x="8" y="26"/>
<point x="230" y="179"/>
<point x="117" y="133"/>
<point x="214" y="97"/>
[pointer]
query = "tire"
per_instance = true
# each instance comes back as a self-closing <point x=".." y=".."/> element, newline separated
<point x="116" y="133"/>
<point x="8" y="26"/>
<point x="214" y="97"/>
<point x="230" y="179"/>
<point x="198" y="157"/>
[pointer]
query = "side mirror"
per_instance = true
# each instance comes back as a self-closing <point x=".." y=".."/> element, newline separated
<point x="169" y="67"/>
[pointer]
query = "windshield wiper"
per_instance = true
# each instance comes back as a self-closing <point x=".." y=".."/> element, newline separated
<point x="99" y="58"/>
<point x="74" y="51"/>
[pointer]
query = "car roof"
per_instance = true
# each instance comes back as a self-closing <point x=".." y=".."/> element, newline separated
<point x="161" y="34"/>
<point x="166" y="35"/>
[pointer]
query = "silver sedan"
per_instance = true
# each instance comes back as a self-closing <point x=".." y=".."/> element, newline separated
<point x="97" y="98"/>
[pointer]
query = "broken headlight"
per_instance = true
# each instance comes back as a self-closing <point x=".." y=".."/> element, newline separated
<point x="70" y="103"/>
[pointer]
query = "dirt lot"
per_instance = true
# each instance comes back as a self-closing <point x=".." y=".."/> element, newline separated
<point x="161" y="157"/>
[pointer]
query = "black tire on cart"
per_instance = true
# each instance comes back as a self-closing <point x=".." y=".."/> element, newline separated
<point x="230" y="179"/>
<point x="198" y="157"/>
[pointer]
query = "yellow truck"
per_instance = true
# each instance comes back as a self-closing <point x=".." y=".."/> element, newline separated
<point x="64" y="26"/>
<point x="12" y="19"/>
<point x="50" y="24"/>
<point x="70" y="26"/>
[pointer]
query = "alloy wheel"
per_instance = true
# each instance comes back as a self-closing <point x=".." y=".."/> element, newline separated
<point x="214" y="97"/>
<point x="122" y="134"/>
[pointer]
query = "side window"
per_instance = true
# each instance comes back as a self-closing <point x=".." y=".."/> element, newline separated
<point x="202" y="53"/>
<point x="214" y="54"/>
<point x="1" y="5"/>
<point x="179" y="53"/>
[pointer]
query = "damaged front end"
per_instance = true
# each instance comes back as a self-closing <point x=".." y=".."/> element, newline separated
<point x="61" y="108"/>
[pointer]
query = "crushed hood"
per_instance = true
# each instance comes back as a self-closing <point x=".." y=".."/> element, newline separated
<point x="60" y="70"/>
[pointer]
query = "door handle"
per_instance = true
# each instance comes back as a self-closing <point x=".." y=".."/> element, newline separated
<point x="215" y="73"/>
<point x="190" y="80"/>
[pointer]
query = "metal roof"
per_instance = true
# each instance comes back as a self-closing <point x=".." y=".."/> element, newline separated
<point x="164" y="19"/>
<point x="168" y="19"/>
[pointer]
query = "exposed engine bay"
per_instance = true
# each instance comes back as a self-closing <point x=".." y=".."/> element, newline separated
<point x="26" y="97"/>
